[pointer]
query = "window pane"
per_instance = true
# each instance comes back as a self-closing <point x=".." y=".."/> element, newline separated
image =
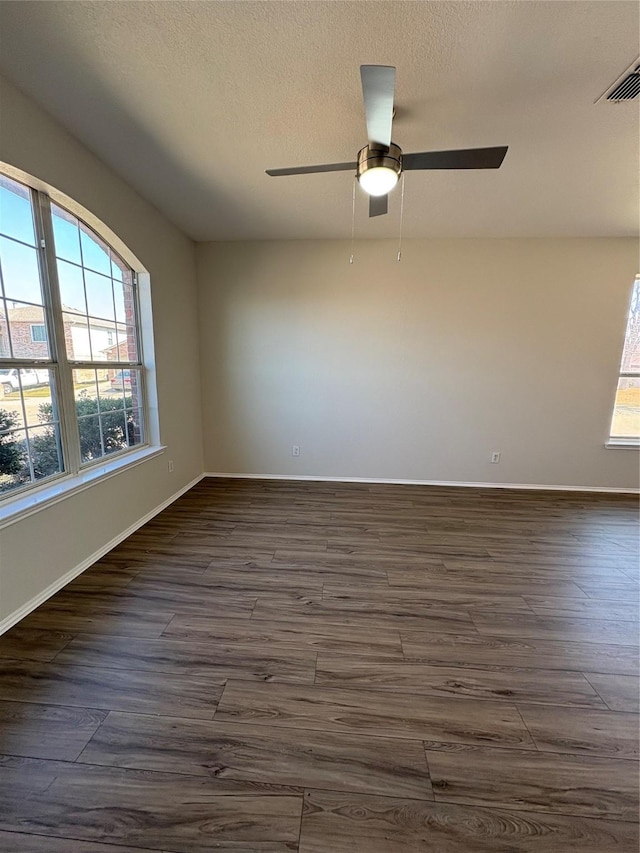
<point x="21" y="319"/>
<point x="114" y="430"/>
<point x="95" y="252"/>
<point x="16" y="216"/>
<point x="38" y="396"/>
<point x="132" y="346"/>
<point x="104" y="385"/>
<point x="102" y="337"/>
<point x="12" y="412"/>
<point x="90" y="438"/>
<point x="134" y="427"/>
<point x="134" y="392"/>
<point x="14" y="464"/>
<point x="631" y="352"/>
<point x="99" y="295"/>
<point x="124" y="300"/>
<point x="119" y="269"/>
<point x="85" y="388"/>
<point x="71" y="287"/>
<point x="127" y="348"/>
<point x="119" y="386"/>
<point x="76" y="336"/>
<point x="626" y="412"/>
<point x="46" y="453"/>
<point x="66" y="235"/>
<point x="20" y="272"/>
<point x="123" y="343"/>
<point x="89" y="387"/>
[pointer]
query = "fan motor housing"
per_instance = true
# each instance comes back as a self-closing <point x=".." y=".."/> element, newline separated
<point x="371" y="157"/>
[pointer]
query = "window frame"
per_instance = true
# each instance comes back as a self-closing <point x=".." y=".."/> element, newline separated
<point x="625" y="441"/>
<point x="75" y="474"/>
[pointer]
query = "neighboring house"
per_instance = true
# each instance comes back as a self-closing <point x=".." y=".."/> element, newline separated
<point x="82" y="335"/>
<point x="119" y="352"/>
<point x="28" y="332"/>
<point x="101" y="334"/>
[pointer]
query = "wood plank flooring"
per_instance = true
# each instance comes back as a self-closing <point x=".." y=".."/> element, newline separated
<point x="282" y="667"/>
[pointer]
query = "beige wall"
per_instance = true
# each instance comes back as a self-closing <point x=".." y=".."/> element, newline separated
<point x="37" y="551"/>
<point x="416" y="369"/>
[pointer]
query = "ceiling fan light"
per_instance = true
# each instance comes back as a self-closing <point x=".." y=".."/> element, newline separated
<point x="379" y="168"/>
<point x="378" y="181"/>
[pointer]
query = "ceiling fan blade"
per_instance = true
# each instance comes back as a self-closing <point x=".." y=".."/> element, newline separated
<point x="378" y="84"/>
<point x="463" y="158"/>
<point x="308" y="170"/>
<point x="378" y="205"/>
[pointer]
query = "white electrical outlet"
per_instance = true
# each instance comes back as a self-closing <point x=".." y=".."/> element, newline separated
<point x="295" y="450"/>
<point x="495" y="457"/>
<point x="170" y="466"/>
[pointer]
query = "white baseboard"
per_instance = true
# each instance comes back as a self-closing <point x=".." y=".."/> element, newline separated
<point x="56" y="586"/>
<point x="400" y="482"/>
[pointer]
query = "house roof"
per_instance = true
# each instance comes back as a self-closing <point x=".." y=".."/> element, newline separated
<point x="27" y="314"/>
<point x="34" y="314"/>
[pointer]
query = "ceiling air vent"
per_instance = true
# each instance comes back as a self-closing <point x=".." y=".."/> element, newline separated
<point x="626" y="87"/>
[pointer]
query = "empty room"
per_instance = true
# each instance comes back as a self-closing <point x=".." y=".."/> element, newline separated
<point x="319" y="426"/>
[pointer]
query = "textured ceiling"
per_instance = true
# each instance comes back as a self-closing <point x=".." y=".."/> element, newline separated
<point x="190" y="102"/>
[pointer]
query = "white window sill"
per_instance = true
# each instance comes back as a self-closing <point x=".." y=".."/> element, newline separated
<point x="624" y="443"/>
<point x="38" y="499"/>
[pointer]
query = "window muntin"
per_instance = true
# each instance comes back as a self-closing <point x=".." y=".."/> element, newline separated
<point x="625" y="423"/>
<point x="78" y="364"/>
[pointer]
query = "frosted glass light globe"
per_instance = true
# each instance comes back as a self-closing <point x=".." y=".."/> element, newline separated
<point x="378" y="181"/>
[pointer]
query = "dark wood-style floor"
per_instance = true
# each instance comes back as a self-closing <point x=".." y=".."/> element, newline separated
<point x="335" y="668"/>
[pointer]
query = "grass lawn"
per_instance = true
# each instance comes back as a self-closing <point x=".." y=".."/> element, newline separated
<point x="40" y="391"/>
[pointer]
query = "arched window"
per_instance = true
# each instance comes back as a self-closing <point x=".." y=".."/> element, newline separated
<point x="72" y="380"/>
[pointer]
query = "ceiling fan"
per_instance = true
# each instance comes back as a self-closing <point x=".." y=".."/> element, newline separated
<point x="381" y="162"/>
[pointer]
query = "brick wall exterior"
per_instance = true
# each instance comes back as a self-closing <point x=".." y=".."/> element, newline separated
<point x="23" y="346"/>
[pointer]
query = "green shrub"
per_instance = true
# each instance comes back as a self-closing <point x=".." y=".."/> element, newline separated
<point x="45" y="445"/>
<point x="117" y="432"/>
<point x="12" y="450"/>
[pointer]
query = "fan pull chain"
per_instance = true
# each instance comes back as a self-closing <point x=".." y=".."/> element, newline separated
<point x="401" y="218"/>
<point x="353" y="220"/>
